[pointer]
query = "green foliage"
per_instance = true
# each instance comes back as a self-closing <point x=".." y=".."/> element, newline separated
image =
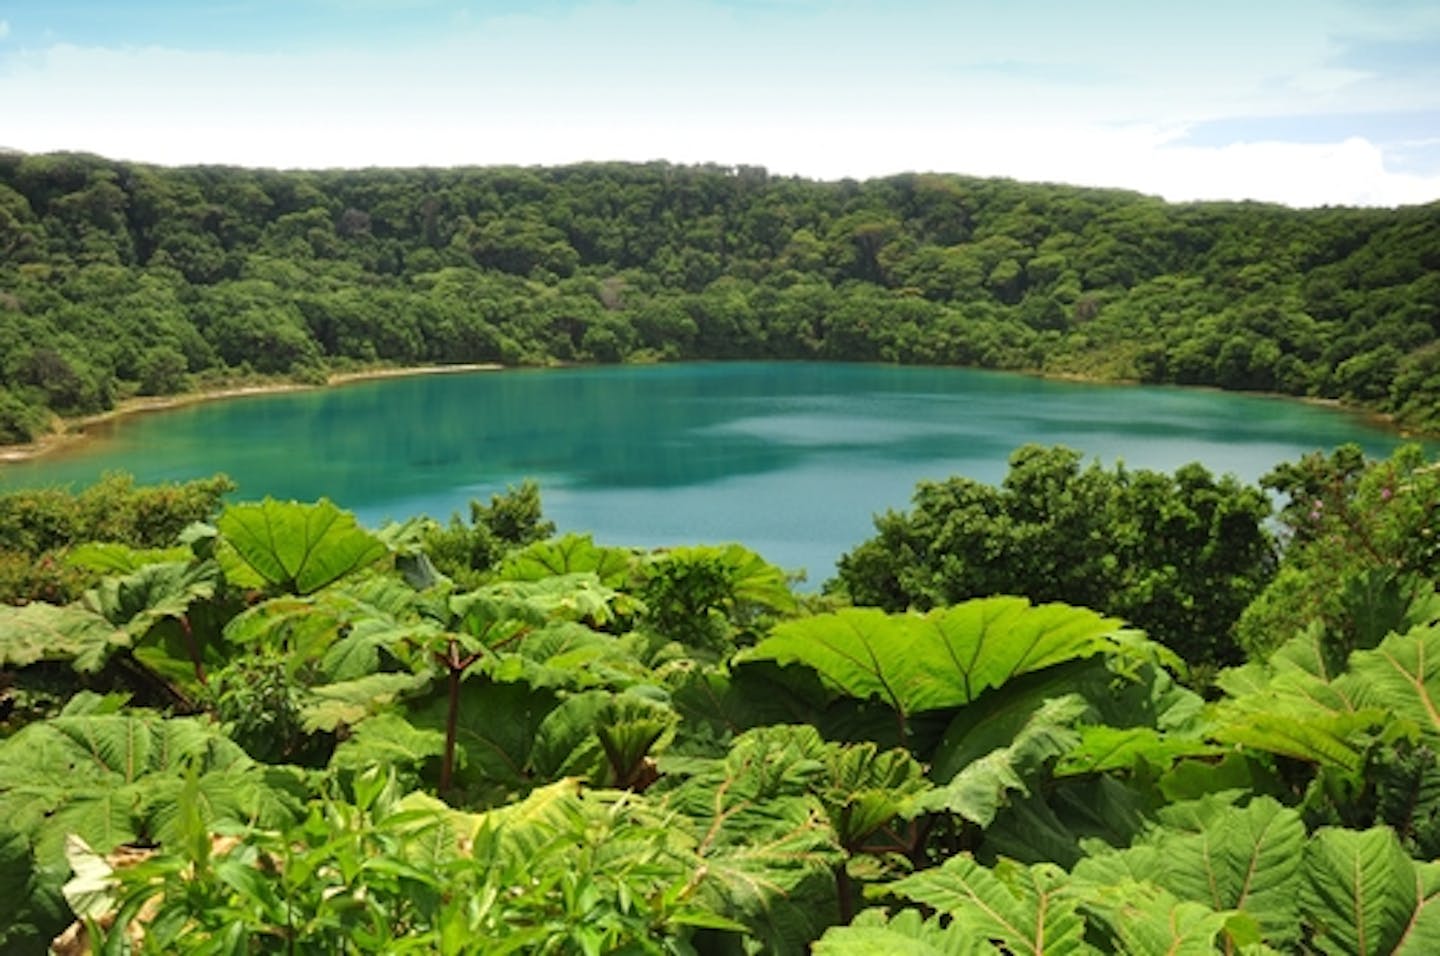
<point x="1017" y="909"/>
<point x="1363" y="894"/>
<point x="293" y="547"/>
<point x="512" y="520"/>
<point x="386" y="761"/>
<point x="1363" y="555"/>
<point x="37" y="526"/>
<point x="943" y="659"/>
<point x="121" y="277"/>
<point x="716" y="598"/>
<point x="112" y="510"/>
<point x="1179" y="556"/>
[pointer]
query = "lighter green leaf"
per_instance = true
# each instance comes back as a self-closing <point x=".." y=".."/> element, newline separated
<point x="91" y="890"/>
<point x="297" y="547"/>
<point x="330" y="706"/>
<point x="1363" y="896"/>
<point x="946" y="658"/>
<point x="1019" y="909"/>
<point x="1225" y="857"/>
<point x="113" y="558"/>
<point x="1110" y="748"/>
<point x="872" y="933"/>
<point x="571" y="554"/>
<point x="45" y="632"/>
<point x="982" y="787"/>
<point x="1402" y="675"/>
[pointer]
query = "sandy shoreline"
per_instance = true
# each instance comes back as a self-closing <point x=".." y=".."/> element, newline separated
<point x="73" y="431"/>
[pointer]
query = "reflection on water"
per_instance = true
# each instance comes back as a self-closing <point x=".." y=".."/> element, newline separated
<point x="791" y="459"/>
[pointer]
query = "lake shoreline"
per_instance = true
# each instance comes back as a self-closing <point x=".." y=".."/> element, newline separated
<point x="72" y="432"/>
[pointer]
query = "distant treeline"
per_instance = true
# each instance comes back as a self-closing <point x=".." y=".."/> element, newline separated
<point x="118" y="278"/>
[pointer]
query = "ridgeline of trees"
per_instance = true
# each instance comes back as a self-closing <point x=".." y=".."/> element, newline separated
<point x="120" y="279"/>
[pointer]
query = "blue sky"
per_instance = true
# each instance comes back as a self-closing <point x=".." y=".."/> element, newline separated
<point x="1307" y="102"/>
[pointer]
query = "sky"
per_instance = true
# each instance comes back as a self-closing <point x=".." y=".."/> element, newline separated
<point x="1303" y="102"/>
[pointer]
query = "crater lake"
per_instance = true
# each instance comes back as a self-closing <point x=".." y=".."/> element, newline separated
<point x="790" y="459"/>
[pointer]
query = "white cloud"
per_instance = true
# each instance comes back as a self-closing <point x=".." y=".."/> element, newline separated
<point x="4" y="29"/>
<point x="617" y="81"/>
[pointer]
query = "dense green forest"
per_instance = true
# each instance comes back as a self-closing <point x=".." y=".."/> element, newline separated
<point x="260" y="727"/>
<point x="118" y="278"/>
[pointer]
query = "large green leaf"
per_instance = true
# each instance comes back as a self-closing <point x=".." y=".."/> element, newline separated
<point x="496" y="733"/>
<point x="571" y="554"/>
<point x="44" y="632"/>
<point x="872" y="933"/>
<point x="1056" y="822"/>
<point x="766" y="845"/>
<point x="1402" y="675"/>
<point x="1225" y="857"/>
<point x="99" y="776"/>
<point x="945" y="658"/>
<point x="1145" y="918"/>
<point x="1363" y="896"/>
<point x="1019" y="909"/>
<point x="982" y="786"/>
<point x="1299" y="715"/>
<point x="138" y="600"/>
<point x="292" y="546"/>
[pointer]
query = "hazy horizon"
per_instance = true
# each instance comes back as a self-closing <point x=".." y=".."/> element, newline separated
<point x="1317" y="103"/>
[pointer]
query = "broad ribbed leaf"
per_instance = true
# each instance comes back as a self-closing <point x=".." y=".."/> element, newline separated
<point x="45" y="632"/>
<point x="371" y="644"/>
<point x="1402" y="675"/>
<point x="982" y="786"/>
<point x="389" y="740"/>
<point x="296" y="547"/>
<point x="1225" y="857"/>
<point x="1055" y="824"/>
<point x="1363" y="896"/>
<point x="95" y="776"/>
<point x="1145" y="918"/>
<point x="569" y="597"/>
<point x="346" y="703"/>
<point x="1110" y="748"/>
<point x="872" y="933"/>
<point x="138" y="600"/>
<point x="495" y="736"/>
<point x="571" y="554"/>
<point x="1298" y="715"/>
<point x="570" y="655"/>
<point x="1019" y="909"/>
<point x="767" y="846"/>
<point x="866" y="788"/>
<point x="945" y="658"/>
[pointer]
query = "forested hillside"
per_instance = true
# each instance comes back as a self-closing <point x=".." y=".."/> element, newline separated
<point x="117" y="279"/>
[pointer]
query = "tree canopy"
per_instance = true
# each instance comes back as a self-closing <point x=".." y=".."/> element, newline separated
<point x="118" y="278"/>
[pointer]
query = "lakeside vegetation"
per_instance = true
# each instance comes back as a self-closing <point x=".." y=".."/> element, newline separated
<point x="118" y="279"/>
<point x="1088" y="710"/>
<point x="261" y="727"/>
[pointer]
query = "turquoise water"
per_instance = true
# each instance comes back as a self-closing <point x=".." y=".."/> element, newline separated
<point x="790" y="459"/>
